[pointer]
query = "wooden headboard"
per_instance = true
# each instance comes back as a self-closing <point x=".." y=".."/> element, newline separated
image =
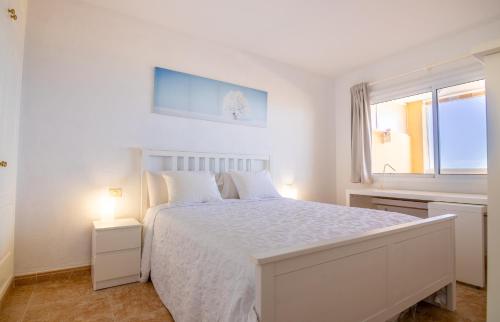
<point x="165" y="160"/>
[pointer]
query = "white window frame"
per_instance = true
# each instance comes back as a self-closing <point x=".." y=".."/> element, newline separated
<point x="431" y="84"/>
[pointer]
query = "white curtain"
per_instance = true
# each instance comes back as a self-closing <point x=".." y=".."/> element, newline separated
<point x="361" y="161"/>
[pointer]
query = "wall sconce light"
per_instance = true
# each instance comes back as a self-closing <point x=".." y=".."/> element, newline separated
<point x="386" y="136"/>
<point x="108" y="204"/>
<point x="289" y="191"/>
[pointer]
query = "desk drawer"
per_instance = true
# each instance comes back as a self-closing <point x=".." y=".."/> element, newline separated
<point x="117" y="239"/>
<point x="400" y="203"/>
<point x="116" y="264"/>
<point x="421" y="213"/>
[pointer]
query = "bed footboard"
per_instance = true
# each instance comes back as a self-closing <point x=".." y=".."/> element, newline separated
<point x="370" y="277"/>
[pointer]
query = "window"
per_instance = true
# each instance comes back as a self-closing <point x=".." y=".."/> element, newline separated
<point x="404" y="135"/>
<point x="402" y="139"/>
<point x="462" y="129"/>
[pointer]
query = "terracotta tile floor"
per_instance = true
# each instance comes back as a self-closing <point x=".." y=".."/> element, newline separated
<point x="69" y="297"/>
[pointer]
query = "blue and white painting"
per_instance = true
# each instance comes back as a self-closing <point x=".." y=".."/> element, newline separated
<point x="186" y="95"/>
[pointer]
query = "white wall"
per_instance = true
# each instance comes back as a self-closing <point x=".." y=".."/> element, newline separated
<point x="493" y="101"/>
<point x="87" y="98"/>
<point x="440" y="50"/>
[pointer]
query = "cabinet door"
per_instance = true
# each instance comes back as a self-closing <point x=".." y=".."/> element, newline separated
<point x="11" y="61"/>
<point x="469" y="238"/>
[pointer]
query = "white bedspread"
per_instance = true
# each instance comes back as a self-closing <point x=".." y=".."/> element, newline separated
<point x="199" y="255"/>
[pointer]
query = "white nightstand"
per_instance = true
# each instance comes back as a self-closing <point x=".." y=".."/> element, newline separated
<point x="116" y="252"/>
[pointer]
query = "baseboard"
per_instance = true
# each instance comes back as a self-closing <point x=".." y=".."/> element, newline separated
<point x="37" y="277"/>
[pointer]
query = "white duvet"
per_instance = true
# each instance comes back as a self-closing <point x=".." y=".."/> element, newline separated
<point x="199" y="255"/>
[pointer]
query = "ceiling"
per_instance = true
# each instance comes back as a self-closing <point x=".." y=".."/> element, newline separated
<point x="323" y="36"/>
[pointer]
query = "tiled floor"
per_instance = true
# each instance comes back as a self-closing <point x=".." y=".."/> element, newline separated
<point x="69" y="297"/>
<point x="471" y="307"/>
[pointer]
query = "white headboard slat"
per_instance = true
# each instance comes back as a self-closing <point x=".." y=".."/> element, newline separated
<point x="165" y="160"/>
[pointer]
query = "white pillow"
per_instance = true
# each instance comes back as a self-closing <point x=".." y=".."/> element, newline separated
<point x="191" y="186"/>
<point x="157" y="188"/>
<point x="228" y="189"/>
<point x="254" y="185"/>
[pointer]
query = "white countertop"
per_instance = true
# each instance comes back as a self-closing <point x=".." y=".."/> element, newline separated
<point x="467" y="198"/>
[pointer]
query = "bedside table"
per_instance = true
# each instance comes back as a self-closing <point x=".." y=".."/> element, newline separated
<point x="116" y="252"/>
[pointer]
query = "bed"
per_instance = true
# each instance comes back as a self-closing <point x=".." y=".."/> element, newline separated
<point x="282" y="260"/>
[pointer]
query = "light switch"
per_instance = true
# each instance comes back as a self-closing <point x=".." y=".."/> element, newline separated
<point x="115" y="192"/>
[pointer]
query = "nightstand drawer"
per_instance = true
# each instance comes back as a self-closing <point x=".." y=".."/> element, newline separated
<point x="116" y="264"/>
<point x="117" y="239"/>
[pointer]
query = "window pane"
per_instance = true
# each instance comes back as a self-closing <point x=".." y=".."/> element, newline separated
<point x="402" y="135"/>
<point x="462" y="129"/>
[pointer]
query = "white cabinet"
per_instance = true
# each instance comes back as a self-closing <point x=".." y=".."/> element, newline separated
<point x="116" y="252"/>
<point x="11" y="70"/>
<point x="470" y="239"/>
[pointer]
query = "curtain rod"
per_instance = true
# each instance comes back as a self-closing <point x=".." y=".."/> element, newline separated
<point x="421" y="69"/>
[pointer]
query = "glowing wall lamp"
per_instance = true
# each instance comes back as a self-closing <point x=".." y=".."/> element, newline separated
<point x="289" y="191"/>
<point x="108" y="203"/>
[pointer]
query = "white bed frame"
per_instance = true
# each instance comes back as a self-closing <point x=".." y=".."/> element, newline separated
<point x="367" y="277"/>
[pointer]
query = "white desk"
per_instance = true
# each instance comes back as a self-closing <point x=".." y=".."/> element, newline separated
<point x="466" y="198"/>
<point x="470" y="223"/>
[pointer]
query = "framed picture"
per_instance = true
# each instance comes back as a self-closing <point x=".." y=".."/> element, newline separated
<point x="186" y="95"/>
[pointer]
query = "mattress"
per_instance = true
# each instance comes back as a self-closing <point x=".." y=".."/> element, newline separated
<point x="199" y="256"/>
